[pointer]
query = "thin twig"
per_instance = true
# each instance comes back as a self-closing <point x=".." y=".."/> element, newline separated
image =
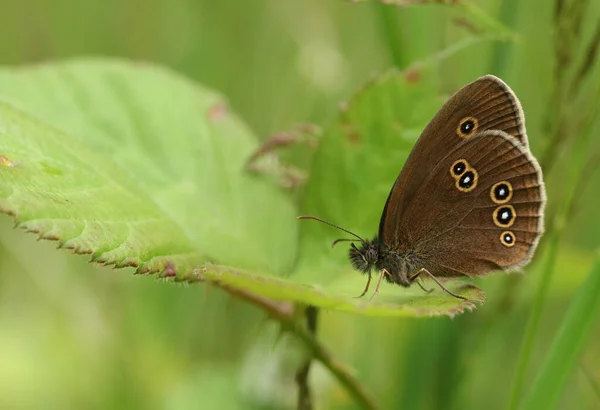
<point x="305" y="399"/>
<point x="283" y="313"/>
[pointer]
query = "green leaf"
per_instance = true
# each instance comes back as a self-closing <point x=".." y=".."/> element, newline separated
<point x="566" y="347"/>
<point x="140" y="167"/>
<point x="137" y="166"/>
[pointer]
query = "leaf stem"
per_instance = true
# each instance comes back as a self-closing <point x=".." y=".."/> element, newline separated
<point x="283" y="312"/>
<point x="305" y="399"/>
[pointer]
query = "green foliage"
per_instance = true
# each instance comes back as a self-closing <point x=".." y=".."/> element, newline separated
<point x="567" y="345"/>
<point x="130" y="146"/>
<point x="138" y="167"/>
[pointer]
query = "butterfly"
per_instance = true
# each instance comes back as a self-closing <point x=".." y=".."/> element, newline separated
<point x="469" y="200"/>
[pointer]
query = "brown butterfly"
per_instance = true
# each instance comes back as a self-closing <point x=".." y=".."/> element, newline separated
<point x="469" y="200"/>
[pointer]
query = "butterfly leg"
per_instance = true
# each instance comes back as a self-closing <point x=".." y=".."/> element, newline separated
<point x="383" y="273"/>
<point x="448" y="291"/>
<point x="366" y="288"/>
<point x="422" y="287"/>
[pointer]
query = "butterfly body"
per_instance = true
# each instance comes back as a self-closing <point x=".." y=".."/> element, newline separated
<point x="371" y="255"/>
<point x="469" y="200"/>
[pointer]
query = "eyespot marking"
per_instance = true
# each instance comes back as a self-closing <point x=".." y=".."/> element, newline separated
<point x="467" y="181"/>
<point x="467" y="127"/>
<point x="458" y="167"/>
<point x="508" y="239"/>
<point x="504" y="216"/>
<point x="501" y="192"/>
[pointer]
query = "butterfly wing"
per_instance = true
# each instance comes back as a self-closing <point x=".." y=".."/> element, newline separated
<point x="485" y="202"/>
<point x="488" y="103"/>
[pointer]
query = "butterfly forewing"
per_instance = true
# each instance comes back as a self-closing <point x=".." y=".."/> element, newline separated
<point x="485" y="104"/>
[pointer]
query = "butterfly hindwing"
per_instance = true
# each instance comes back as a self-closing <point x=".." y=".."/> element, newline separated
<point x="485" y="202"/>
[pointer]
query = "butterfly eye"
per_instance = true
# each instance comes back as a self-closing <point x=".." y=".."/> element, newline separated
<point x="504" y="216"/>
<point x="458" y="168"/>
<point x="501" y="192"/>
<point x="507" y="238"/>
<point x="467" y="181"/>
<point x="467" y="127"/>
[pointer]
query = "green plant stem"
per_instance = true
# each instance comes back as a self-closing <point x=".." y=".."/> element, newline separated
<point x="283" y="313"/>
<point x="534" y="321"/>
<point x="566" y="346"/>
<point x="502" y="50"/>
<point x="591" y="58"/>
<point x="561" y="129"/>
<point x="305" y="399"/>
<point x="554" y="116"/>
<point x="492" y="26"/>
<point x="556" y="227"/>
<point x="389" y="32"/>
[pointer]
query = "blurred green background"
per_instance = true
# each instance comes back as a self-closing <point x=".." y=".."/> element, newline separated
<point x="73" y="335"/>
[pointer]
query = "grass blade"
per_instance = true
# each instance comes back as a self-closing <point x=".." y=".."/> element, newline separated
<point x="567" y="345"/>
<point x="534" y="322"/>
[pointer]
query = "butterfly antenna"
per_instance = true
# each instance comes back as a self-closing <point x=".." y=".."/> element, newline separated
<point x="330" y="224"/>
<point x="343" y="240"/>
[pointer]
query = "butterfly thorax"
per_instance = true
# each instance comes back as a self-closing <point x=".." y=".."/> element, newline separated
<point x="372" y="255"/>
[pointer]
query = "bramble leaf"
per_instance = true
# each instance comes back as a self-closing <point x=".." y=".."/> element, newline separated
<point x="139" y="167"/>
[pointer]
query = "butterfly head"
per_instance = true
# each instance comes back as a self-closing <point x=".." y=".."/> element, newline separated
<point x="364" y="257"/>
<point x="372" y="254"/>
